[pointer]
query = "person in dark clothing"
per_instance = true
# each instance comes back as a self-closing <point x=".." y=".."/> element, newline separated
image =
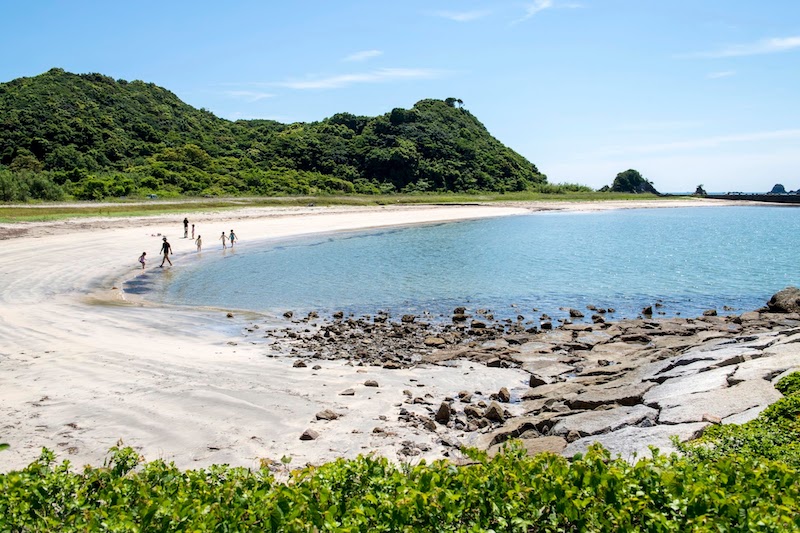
<point x="185" y="228"/>
<point x="166" y="249"/>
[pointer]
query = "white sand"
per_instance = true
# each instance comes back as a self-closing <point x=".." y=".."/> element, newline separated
<point x="81" y="367"/>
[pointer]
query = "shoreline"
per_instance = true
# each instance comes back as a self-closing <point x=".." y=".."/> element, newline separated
<point x="82" y="368"/>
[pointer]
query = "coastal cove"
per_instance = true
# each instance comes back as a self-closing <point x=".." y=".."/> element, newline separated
<point x="682" y="260"/>
<point x="83" y="367"/>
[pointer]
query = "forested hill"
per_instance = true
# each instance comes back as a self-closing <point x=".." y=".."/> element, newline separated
<point x="90" y="136"/>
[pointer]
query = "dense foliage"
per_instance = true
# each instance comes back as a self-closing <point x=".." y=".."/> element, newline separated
<point x="631" y="181"/>
<point x="88" y="136"/>
<point x="511" y="492"/>
<point x="719" y="484"/>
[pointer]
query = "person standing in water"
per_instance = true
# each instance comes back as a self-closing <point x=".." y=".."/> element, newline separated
<point x="232" y="237"/>
<point x="166" y="249"/>
<point x="193" y="232"/>
<point x="185" y="228"/>
<point x="143" y="259"/>
<point x="224" y="239"/>
<point x="199" y="242"/>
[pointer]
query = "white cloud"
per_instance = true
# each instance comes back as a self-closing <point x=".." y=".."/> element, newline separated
<point x="722" y="74"/>
<point x="764" y="46"/>
<point x="375" y="76"/>
<point x="363" y="55"/>
<point x="535" y="7"/>
<point x="463" y="16"/>
<point x="250" y="96"/>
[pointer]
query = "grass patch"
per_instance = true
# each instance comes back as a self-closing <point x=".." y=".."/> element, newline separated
<point x="42" y="212"/>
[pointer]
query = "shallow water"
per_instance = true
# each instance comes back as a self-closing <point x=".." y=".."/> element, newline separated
<point x="685" y="259"/>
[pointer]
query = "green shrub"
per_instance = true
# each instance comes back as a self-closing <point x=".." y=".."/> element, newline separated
<point x="789" y="384"/>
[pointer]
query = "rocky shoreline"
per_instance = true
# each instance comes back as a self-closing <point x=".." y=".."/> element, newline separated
<point x="629" y="384"/>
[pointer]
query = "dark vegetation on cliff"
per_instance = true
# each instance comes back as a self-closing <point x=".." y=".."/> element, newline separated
<point x="88" y="136"/>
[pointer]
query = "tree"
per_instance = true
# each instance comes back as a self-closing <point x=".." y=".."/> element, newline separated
<point x="631" y="181"/>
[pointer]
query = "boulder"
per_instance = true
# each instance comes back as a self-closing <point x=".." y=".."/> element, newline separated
<point x="327" y="414"/>
<point x="309" y="434"/>
<point x="785" y="301"/>
<point x="370" y="383"/>
<point x="494" y="412"/>
<point x="503" y="395"/>
<point x="443" y="414"/>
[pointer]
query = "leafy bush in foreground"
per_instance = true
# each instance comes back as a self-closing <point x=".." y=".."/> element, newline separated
<point x="510" y="492"/>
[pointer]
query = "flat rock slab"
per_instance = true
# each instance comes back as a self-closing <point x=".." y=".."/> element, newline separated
<point x="624" y="395"/>
<point x="721" y="403"/>
<point x="547" y="368"/>
<point x="616" y="351"/>
<point x="633" y="442"/>
<point x="604" y="420"/>
<point x="682" y="386"/>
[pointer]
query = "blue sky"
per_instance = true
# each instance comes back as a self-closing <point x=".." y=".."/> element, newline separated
<point x="687" y="92"/>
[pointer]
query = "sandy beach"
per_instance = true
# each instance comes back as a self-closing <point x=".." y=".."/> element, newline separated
<point x="83" y="366"/>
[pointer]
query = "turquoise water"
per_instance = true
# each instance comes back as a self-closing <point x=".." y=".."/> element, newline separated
<point x="686" y="259"/>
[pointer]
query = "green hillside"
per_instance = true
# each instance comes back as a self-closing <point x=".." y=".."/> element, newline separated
<point x="89" y="136"/>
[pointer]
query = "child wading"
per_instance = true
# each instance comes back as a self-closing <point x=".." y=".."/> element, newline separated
<point x="224" y="239"/>
<point x="232" y="237"/>
<point x="199" y="242"/>
<point x="142" y="259"/>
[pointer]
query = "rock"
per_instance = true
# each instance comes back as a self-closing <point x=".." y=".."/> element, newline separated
<point x="710" y="312"/>
<point x="721" y="403"/>
<point x="633" y="440"/>
<point x="427" y="423"/>
<point x="536" y="381"/>
<point x="288" y="314"/>
<point x="434" y="342"/>
<point x="443" y="414"/>
<point x="298" y="364"/>
<point x="574" y="313"/>
<point x="347" y="392"/>
<point x="338" y="315"/>
<point x="327" y="414"/>
<point x="647" y="311"/>
<point x="546" y="325"/>
<point x="371" y="383"/>
<point x="572" y="436"/>
<point x="459" y="310"/>
<point x="465" y="396"/>
<point x="624" y="395"/>
<point x="472" y="411"/>
<point x="392" y="365"/>
<point x="309" y="434"/>
<point x="477" y="324"/>
<point x="494" y="412"/>
<point x="408" y="319"/>
<point x="503" y="395"/>
<point x="785" y="301"/>
<point x="460" y="317"/>
<point x="712" y="419"/>
<point x="494" y="362"/>
<point x="316" y="367"/>
<point x="229" y="315"/>
<point x="603" y="420"/>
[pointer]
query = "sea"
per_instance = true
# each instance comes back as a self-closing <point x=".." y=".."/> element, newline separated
<point x="681" y="261"/>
